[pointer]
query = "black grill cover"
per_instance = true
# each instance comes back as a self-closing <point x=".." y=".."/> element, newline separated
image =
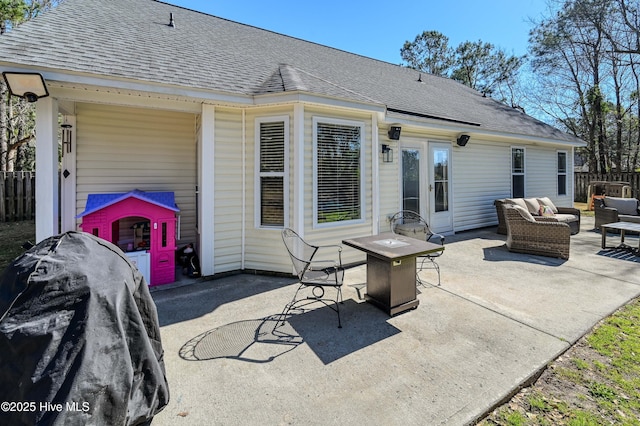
<point x="79" y="337"/>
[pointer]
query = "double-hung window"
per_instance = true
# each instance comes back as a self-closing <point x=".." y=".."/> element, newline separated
<point x="338" y="171"/>
<point x="562" y="172"/>
<point x="272" y="144"/>
<point x="517" y="172"/>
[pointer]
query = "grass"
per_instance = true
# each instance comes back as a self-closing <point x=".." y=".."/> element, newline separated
<point x="597" y="382"/>
<point x="12" y="236"/>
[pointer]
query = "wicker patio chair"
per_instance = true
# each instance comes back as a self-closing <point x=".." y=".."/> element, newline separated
<point x="314" y="274"/>
<point x="410" y="224"/>
<point x="543" y="238"/>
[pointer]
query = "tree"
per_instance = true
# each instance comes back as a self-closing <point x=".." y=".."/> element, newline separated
<point x="479" y="65"/>
<point x="430" y="53"/>
<point x="588" y="77"/>
<point x="17" y="117"/>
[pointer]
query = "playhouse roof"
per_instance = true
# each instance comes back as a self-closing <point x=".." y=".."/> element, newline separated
<point x="97" y="202"/>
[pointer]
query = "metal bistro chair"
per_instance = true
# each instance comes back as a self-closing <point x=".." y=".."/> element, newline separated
<point x="410" y="224"/>
<point x="313" y="273"/>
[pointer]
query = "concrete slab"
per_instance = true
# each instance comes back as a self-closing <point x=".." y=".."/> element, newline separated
<point x="495" y="321"/>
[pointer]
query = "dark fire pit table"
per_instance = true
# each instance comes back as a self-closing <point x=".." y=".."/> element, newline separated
<point x="391" y="269"/>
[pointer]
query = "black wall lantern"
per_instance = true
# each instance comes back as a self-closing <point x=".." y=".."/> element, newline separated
<point x="387" y="154"/>
<point x="394" y="132"/>
<point x="27" y="85"/>
<point x="463" y="139"/>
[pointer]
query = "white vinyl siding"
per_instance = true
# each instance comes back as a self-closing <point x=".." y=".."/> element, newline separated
<point x="481" y="173"/>
<point x="120" y="149"/>
<point x="228" y="180"/>
<point x="263" y="247"/>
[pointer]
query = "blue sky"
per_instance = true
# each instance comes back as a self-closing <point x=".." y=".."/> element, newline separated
<point x="379" y="29"/>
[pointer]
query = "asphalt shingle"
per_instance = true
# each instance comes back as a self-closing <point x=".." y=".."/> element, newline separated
<point x="132" y="39"/>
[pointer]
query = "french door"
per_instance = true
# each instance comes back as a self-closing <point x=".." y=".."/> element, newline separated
<point x="425" y="183"/>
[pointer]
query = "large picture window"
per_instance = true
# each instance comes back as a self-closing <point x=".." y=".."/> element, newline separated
<point x="517" y="172"/>
<point x="271" y="197"/>
<point x="338" y="172"/>
<point x="562" y="173"/>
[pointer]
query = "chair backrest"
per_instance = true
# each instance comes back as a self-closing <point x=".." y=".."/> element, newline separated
<point x="301" y="252"/>
<point x="410" y="224"/>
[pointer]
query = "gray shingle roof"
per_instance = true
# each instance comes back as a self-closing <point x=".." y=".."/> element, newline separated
<point x="132" y="39"/>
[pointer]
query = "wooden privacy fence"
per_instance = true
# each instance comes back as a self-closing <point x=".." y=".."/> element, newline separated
<point x="18" y="191"/>
<point x="17" y="196"/>
<point x="581" y="183"/>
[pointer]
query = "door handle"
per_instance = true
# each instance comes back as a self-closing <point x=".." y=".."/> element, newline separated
<point x="430" y="187"/>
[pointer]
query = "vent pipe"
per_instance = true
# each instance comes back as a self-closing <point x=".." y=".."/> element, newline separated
<point x="172" y="24"/>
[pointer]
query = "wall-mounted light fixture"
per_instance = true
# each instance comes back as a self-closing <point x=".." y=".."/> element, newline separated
<point x="387" y="154"/>
<point x="27" y="85"/>
<point x="394" y="132"/>
<point x="463" y="139"/>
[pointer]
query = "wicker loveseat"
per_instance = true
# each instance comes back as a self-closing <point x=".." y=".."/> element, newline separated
<point x="540" y="237"/>
<point x="536" y="206"/>
<point x="616" y="209"/>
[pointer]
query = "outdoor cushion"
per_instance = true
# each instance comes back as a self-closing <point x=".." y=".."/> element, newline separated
<point x="532" y="205"/>
<point x="628" y="206"/>
<point x="525" y="213"/>
<point x="566" y="218"/>
<point x="517" y="202"/>
<point x="545" y="201"/>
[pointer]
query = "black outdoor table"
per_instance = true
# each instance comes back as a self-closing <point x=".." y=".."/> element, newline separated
<point x="391" y="269"/>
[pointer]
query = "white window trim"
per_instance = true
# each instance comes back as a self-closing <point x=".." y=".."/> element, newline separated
<point x="258" y="174"/>
<point x="363" y="180"/>
<point x="524" y="173"/>
<point x="566" y="173"/>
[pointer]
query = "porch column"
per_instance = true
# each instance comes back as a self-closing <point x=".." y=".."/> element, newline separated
<point x="46" y="168"/>
<point x="206" y="188"/>
<point x="298" y="169"/>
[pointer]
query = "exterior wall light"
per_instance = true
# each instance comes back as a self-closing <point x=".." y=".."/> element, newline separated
<point x="387" y="154"/>
<point x="463" y="139"/>
<point x="27" y="85"/>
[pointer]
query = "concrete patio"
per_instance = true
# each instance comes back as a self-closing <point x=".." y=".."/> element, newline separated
<point x="497" y="319"/>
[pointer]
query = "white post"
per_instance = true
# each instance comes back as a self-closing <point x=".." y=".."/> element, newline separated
<point x="298" y="172"/>
<point x="46" y="168"/>
<point x="206" y="189"/>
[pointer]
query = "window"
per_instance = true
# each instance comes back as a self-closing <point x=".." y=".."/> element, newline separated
<point x="562" y="173"/>
<point x="272" y="164"/>
<point x="517" y="172"/>
<point x="338" y="171"/>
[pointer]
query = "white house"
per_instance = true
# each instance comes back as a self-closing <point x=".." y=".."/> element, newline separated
<point x="255" y="131"/>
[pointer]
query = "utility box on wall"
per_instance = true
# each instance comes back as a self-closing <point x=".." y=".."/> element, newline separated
<point x="137" y="221"/>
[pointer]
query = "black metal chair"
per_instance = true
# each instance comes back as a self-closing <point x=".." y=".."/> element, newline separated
<point x="410" y="224"/>
<point x="313" y="273"/>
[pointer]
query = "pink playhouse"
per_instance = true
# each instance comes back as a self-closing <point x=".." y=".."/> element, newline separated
<point x="142" y="224"/>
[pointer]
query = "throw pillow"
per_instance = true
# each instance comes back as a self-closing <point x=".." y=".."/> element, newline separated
<point x="547" y="202"/>
<point x="546" y="211"/>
